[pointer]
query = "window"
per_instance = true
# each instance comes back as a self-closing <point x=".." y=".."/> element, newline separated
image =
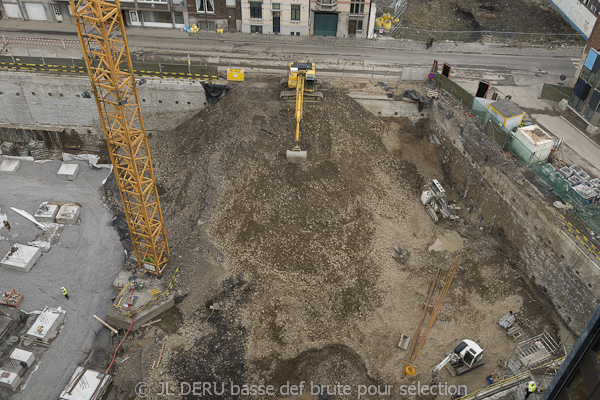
<point x="152" y="16"/>
<point x="576" y="388"/>
<point x="295" y="12"/>
<point x="297" y="33"/>
<point x="357" y="7"/>
<point x="178" y="17"/>
<point x="359" y="25"/>
<point x="154" y="1"/>
<point x="276" y="6"/>
<point x="205" y="6"/>
<point x="255" y="28"/>
<point x="255" y="10"/>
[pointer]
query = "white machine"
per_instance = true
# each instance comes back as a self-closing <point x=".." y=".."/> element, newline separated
<point x="466" y="357"/>
<point x="434" y="200"/>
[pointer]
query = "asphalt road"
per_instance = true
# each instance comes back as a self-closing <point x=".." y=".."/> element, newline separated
<point x="380" y="56"/>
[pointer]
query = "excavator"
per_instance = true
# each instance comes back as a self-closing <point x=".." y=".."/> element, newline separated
<point x="466" y="357"/>
<point x="302" y="84"/>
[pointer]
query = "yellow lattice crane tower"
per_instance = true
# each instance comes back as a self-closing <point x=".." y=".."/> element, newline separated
<point x="106" y="54"/>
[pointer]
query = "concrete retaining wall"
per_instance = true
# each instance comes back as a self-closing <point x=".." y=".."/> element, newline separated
<point x="522" y="214"/>
<point x="30" y="100"/>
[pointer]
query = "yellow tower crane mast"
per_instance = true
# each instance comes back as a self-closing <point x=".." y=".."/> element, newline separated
<point x="106" y="53"/>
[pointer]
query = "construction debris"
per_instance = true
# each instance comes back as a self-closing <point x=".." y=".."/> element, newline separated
<point x="434" y="200"/>
<point x="11" y="299"/>
<point x="400" y="254"/>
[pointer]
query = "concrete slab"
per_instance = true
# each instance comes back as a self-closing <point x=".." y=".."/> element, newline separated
<point x="122" y="321"/>
<point x="68" y="171"/>
<point x="23" y="356"/>
<point x="10" y="166"/>
<point x="46" y="212"/>
<point x="91" y="386"/>
<point x="7" y="148"/>
<point x="46" y="324"/>
<point x="21" y="257"/>
<point x="68" y="214"/>
<point x="9" y="379"/>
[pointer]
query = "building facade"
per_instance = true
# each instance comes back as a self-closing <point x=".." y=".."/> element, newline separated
<point x="284" y="17"/>
<point x="40" y="10"/>
<point x="348" y="18"/>
<point x="147" y="13"/>
<point x="578" y="378"/>
<point x="210" y="15"/>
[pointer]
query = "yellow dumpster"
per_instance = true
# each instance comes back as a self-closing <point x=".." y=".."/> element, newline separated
<point x="235" y="74"/>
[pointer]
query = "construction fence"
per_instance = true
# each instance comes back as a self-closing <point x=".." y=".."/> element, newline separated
<point x="557" y="39"/>
<point x="77" y="66"/>
<point x="556" y="92"/>
<point x="505" y="139"/>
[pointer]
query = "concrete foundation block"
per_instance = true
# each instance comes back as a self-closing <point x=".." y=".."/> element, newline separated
<point x="68" y="214"/>
<point x="563" y="104"/>
<point x="10" y="166"/>
<point x="46" y="324"/>
<point x="46" y="212"/>
<point x="7" y="148"/>
<point x="21" y="258"/>
<point x="68" y="171"/>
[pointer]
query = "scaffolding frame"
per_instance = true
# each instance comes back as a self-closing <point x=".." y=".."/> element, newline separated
<point x="106" y="54"/>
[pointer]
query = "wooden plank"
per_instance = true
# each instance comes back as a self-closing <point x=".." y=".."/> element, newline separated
<point x="105" y="324"/>
<point x="161" y="353"/>
<point x="151" y="322"/>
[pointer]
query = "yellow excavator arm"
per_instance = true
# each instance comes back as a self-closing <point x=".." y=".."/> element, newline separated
<point x="299" y="107"/>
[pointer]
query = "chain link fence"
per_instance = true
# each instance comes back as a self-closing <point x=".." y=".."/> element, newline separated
<point x="505" y="139"/>
<point x="555" y="39"/>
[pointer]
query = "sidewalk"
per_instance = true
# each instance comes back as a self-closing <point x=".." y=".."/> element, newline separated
<point x="53" y="30"/>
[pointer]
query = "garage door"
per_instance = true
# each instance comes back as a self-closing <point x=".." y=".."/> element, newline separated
<point x="325" y="24"/>
<point x="12" y="11"/>
<point x="36" y="11"/>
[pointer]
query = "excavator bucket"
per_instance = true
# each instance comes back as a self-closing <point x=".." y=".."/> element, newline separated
<point x="295" y="155"/>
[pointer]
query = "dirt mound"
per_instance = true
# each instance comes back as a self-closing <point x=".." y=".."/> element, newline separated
<point x="299" y="256"/>
<point x="536" y="16"/>
<point x="299" y="236"/>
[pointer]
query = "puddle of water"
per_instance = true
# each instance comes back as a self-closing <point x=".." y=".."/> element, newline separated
<point x="566" y="337"/>
<point x="170" y="320"/>
<point x="450" y="241"/>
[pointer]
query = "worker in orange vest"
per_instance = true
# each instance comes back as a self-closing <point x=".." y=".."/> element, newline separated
<point x="6" y="225"/>
<point x="64" y="292"/>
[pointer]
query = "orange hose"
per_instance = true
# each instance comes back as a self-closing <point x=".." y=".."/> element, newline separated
<point x="122" y="340"/>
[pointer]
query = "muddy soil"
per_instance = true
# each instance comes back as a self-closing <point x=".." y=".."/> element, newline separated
<point x="485" y="15"/>
<point x="298" y="257"/>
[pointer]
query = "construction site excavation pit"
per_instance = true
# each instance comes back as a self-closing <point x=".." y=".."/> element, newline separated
<point x="289" y="272"/>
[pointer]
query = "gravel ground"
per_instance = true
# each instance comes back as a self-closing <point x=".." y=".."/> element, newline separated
<point x="299" y="255"/>
<point x="85" y="258"/>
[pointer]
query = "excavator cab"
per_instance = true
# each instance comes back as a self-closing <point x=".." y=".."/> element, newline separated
<point x="464" y="358"/>
<point x="469" y="352"/>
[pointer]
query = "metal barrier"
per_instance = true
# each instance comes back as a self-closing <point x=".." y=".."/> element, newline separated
<point x="77" y="66"/>
<point x="505" y="384"/>
<point x="490" y="36"/>
<point x="581" y="239"/>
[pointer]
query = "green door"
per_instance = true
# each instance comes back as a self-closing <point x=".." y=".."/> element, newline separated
<point x="325" y="24"/>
